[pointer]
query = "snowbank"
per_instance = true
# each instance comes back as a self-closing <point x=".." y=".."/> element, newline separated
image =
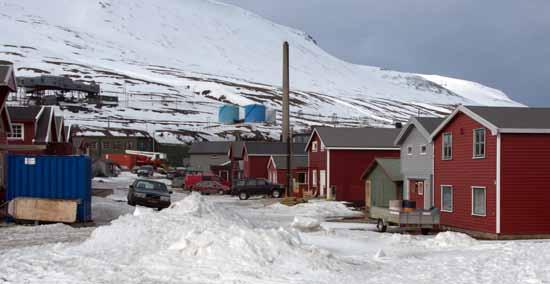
<point x="306" y="224"/>
<point x="452" y="239"/>
<point x="174" y="245"/>
<point x="317" y="209"/>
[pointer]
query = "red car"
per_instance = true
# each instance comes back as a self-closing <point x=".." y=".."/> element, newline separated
<point x="191" y="180"/>
<point x="211" y="187"/>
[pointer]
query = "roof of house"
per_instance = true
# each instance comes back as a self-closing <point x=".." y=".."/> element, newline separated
<point x="237" y="149"/>
<point x="357" y="138"/>
<point x="390" y="166"/>
<point x="426" y="125"/>
<point x="7" y="77"/>
<point x="59" y="126"/>
<point x="24" y="114"/>
<point x="221" y="147"/>
<point x="43" y="126"/>
<point x="505" y="119"/>
<point x="296" y="162"/>
<point x="261" y="148"/>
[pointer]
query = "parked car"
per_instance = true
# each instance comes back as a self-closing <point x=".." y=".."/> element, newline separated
<point x="149" y="193"/>
<point x="145" y="171"/>
<point x="211" y="187"/>
<point x="192" y="179"/>
<point x="254" y="187"/>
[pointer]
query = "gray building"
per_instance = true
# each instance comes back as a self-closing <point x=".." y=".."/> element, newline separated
<point x="101" y="141"/>
<point x="203" y="155"/>
<point x="417" y="159"/>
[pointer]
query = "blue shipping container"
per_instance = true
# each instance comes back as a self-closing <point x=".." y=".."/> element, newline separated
<point x="52" y="177"/>
<point x="228" y="114"/>
<point x="254" y="113"/>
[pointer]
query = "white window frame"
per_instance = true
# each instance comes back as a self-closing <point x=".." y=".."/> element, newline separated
<point x="473" y="204"/>
<point x="452" y="198"/>
<point x="443" y="146"/>
<point x="314" y="147"/>
<point x="409" y="150"/>
<point x="474" y="144"/>
<point x="425" y="148"/>
<point x="22" y="137"/>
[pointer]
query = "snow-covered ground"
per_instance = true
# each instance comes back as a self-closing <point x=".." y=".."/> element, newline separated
<point x="220" y="239"/>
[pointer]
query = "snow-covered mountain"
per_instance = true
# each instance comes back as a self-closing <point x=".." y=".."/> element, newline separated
<point x="174" y="62"/>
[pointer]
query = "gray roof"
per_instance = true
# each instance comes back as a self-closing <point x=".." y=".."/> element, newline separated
<point x="21" y="114"/>
<point x="7" y="77"/>
<point x="425" y="125"/>
<point x="296" y="162"/>
<point x="273" y="148"/>
<point x="368" y="137"/>
<point x="210" y="148"/>
<point x="391" y="167"/>
<point x="237" y="149"/>
<point x="514" y="117"/>
<point x="430" y="123"/>
<point x="43" y="126"/>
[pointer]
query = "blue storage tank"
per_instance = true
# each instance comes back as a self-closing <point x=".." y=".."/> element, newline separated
<point x="228" y="114"/>
<point x="254" y="113"/>
<point x="52" y="177"/>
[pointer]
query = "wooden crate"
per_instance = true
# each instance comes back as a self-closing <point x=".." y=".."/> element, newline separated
<point x="39" y="209"/>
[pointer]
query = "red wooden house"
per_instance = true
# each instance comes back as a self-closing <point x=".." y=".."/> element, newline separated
<point x="36" y="130"/>
<point x="338" y="156"/>
<point x="7" y="85"/>
<point x="492" y="171"/>
<point x="277" y="170"/>
<point x="256" y="155"/>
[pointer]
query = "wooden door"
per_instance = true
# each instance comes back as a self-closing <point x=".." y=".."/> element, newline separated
<point x="367" y="195"/>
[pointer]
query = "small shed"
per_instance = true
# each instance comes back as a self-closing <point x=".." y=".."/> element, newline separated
<point x="383" y="182"/>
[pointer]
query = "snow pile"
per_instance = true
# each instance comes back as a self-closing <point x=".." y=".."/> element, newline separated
<point x="306" y="224"/>
<point x="317" y="209"/>
<point x="451" y="239"/>
<point x="193" y="241"/>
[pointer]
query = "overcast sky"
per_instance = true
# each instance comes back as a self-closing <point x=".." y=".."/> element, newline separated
<point x="501" y="43"/>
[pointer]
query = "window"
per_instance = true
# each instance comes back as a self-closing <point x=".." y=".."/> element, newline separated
<point x="129" y="145"/>
<point x="301" y="178"/>
<point x="106" y="145"/>
<point x="446" y="198"/>
<point x="17" y="131"/>
<point x="314" y="146"/>
<point x="479" y="143"/>
<point x="479" y="201"/>
<point x="423" y="149"/>
<point x="93" y="145"/>
<point x="447" y="146"/>
<point x="118" y="145"/>
<point x="409" y="150"/>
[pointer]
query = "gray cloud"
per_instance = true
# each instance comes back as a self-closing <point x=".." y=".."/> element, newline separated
<point x="501" y="43"/>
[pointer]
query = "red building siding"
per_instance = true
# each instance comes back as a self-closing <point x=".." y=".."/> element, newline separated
<point x="255" y="166"/>
<point x="525" y="184"/>
<point x="318" y="162"/>
<point x="463" y="172"/>
<point x="346" y="168"/>
<point x="28" y="134"/>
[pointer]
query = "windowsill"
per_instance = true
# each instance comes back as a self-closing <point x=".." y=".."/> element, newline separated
<point x="478" y="158"/>
<point x="447" y="159"/>
<point x="17" y="139"/>
<point x="478" y="215"/>
<point x="446" y="211"/>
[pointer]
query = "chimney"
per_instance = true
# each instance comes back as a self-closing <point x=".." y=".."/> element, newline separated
<point x="398" y="125"/>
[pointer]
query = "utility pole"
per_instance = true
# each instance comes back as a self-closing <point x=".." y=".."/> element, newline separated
<point x="286" y="118"/>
